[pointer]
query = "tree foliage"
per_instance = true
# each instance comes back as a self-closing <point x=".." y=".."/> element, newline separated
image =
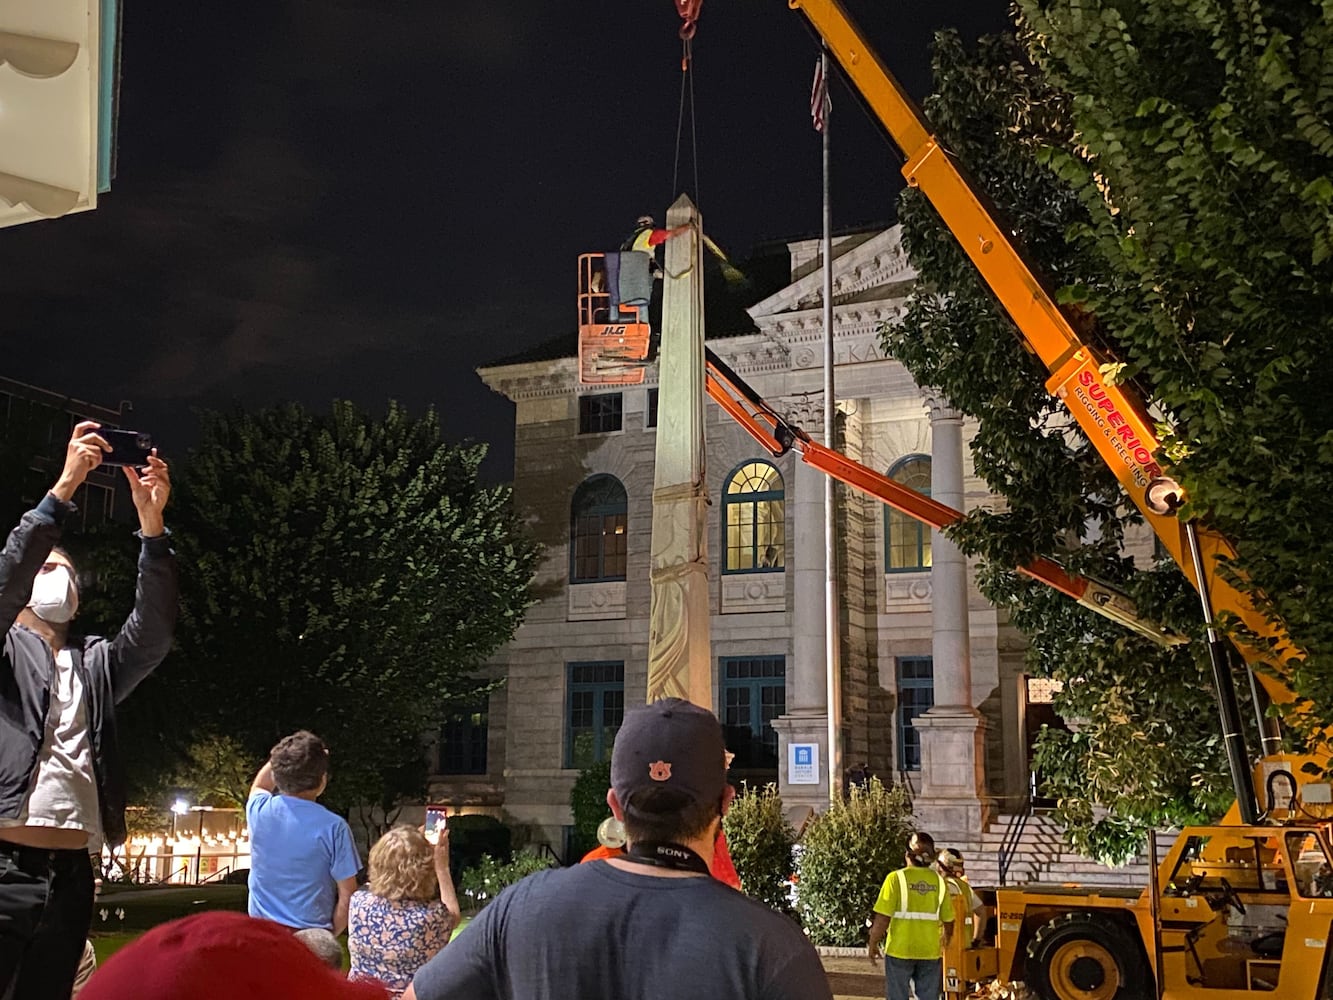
<point x="1136" y="165"/>
<point x="587" y="802"/>
<point x="482" y="882"/>
<point x="216" y="772"/>
<point x="760" y="841"/>
<point x="846" y="853"/>
<point x="340" y="573"/>
<point x="1202" y="153"/>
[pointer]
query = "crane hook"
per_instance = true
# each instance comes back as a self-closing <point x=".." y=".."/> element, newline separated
<point x="689" y="13"/>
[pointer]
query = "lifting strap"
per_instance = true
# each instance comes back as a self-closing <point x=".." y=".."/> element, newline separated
<point x="689" y="12"/>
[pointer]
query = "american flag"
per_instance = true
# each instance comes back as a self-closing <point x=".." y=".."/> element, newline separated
<point x="819" y="99"/>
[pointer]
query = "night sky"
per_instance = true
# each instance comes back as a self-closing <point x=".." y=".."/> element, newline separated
<point x="366" y="200"/>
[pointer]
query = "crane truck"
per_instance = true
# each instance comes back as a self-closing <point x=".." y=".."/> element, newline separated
<point x="1239" y="908"/>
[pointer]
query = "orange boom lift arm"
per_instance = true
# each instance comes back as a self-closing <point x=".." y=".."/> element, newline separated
<point x="778" y="436"/>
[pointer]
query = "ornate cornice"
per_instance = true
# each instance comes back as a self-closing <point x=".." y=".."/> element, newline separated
<point x="534" y="379"/>
<point x="805" y="410"/>
<point x="879" y="263"/>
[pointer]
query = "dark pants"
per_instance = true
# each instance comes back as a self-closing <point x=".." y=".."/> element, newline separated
<point x="46" y="906"/>
<point x="925" y="974"/>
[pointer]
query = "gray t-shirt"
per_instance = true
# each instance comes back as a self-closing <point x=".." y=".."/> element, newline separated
<point x="598" y="933"/>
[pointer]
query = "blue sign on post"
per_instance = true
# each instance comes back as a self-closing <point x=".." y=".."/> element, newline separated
<point x="803" y="763"/>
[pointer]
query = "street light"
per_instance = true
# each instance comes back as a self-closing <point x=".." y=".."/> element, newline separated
<point x="178" y="809"/>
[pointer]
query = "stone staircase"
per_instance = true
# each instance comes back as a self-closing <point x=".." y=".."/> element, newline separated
<point x="1041" y="856"/>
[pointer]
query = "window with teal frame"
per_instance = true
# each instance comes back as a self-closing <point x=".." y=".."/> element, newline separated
<point x="907" y="540"/>
<point x="753" y="692"/>
<point x="598" y="522"/>
<point x="754" y="520"/>
<point x="594" y="708"/>
<point x="916" y="696"/>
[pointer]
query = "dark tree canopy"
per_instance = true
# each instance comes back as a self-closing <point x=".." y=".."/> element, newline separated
<point x="1165" y="168"/>
<point x="341" y="573"/>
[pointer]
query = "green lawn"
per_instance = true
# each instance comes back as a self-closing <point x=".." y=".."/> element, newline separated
<point x="132" y="908"/>
<point x="146" y="908"/>
<point x="109" y="943"/>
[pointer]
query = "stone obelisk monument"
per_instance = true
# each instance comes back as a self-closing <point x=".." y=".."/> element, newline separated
<point x="679" y="654"/>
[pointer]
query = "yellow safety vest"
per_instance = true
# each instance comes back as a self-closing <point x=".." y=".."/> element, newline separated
<point x="641" y="239"/>
<point x="915" y="917"/>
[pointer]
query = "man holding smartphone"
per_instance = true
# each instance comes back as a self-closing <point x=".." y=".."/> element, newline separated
<point x="61" y="778"/>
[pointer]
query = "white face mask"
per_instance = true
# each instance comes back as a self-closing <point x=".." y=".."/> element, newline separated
<point x="54" y="598"/>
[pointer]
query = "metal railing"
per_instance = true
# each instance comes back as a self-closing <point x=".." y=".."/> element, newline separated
<point x="1013" y="834"/>
<point x="905" y="780"/>
<point x="547" y="851"/>
<point x="218" y="875"/>
<point x="170" y="877"/>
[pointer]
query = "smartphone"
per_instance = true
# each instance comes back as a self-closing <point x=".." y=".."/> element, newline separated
<point x="127" y="447"/>
<point x="436" y="820"/>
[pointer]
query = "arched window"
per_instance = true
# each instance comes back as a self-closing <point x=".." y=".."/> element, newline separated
<point x="597" y="526"/>
<point x="906" y="540"/>
<point x="754" y="522"/>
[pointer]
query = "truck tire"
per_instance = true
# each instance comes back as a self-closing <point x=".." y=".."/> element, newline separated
<point x="1078" y="956"/>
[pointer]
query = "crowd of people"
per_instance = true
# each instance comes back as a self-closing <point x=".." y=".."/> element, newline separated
<point x="632" y="922"/>
<point x="618" y="927"/>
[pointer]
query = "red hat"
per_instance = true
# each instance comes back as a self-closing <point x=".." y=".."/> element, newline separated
<point x="221" y="955"/>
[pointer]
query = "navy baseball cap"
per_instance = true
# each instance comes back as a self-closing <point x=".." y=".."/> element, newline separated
<point x="670" y="744"/>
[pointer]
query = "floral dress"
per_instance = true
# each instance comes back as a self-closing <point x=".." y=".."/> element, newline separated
<point x="389" y="939"/>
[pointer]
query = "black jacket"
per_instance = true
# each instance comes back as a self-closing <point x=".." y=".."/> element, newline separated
<point x="108" y="668"/>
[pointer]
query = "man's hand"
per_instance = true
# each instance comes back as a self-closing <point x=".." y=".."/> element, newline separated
<point x="82" y="455"/>
<point x="150" y="490"/>
<point x="879" y="930"/>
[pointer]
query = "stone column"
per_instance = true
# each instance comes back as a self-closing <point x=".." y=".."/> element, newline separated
<point x="680" y="659"/>
<point x="953" y="798"/>
<point x="806" y="718"/>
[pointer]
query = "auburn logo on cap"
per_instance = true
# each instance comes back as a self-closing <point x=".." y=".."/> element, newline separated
<point x="660" y="770"/>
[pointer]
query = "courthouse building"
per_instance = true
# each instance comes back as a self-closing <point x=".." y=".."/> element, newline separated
<point x="583" y="475"/>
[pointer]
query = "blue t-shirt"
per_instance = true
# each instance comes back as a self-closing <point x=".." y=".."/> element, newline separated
<point x="299" y="851"/>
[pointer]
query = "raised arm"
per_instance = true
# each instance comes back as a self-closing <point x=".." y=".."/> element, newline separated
<point x="27" y="548"/>
<point x="448" y="894"/>
<point x="264" y="781"/>
<point x="30" y="542"/>
<point x="145" y="639"/>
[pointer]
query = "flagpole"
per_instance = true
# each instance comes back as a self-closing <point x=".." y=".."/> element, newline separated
<point x="831" y="624"/>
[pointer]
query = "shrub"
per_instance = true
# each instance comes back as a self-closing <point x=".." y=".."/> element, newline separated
<point x="484" y="881"/>
<point x="474" y="836"/>
<point x="846" y="854"/>
<point x="587" y="801"/>
<point x="760" y="841"/>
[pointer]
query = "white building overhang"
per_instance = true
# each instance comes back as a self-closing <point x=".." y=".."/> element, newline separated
<point x="58" y="71"/>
